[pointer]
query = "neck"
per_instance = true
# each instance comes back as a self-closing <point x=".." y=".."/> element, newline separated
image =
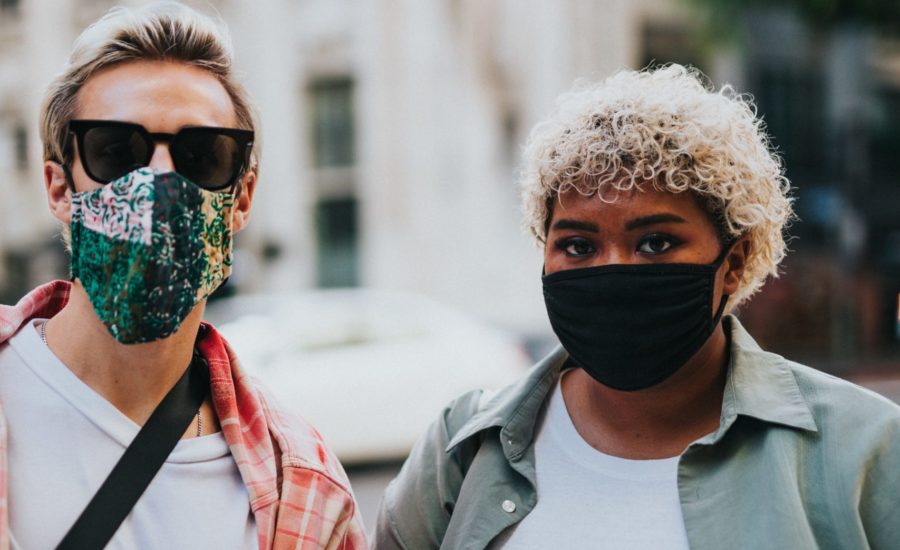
<point x="133" y="377"/>
<point x="657" y="422"/>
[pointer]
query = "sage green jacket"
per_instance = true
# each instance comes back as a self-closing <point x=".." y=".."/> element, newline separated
<point x="800" y="460"/>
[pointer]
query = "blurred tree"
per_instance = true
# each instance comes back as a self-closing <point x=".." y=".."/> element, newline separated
<point x="883" y="14"/>
<point x="824" y="76"/>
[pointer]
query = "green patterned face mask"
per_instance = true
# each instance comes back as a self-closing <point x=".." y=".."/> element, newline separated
<point x="149" y="247"/>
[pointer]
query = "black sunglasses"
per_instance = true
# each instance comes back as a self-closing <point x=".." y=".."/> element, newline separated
<point x="213" y="158"/>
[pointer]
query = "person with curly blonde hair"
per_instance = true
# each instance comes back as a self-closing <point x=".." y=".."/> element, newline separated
<point x="658" y="422"/>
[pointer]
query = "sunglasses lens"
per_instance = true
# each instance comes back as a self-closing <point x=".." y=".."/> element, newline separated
<point x="207" y="157"/>
<point x="113" y="151"/>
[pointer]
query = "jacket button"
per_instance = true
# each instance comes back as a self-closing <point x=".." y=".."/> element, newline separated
<point x="508" y="506"/>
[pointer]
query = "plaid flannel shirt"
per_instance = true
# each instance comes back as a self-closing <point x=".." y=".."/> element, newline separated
<point x="299" y="493"/>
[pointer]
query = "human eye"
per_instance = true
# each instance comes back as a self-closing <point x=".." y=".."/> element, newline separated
<point x="116" y="151"/>
<point x="199" y="158"/>
<point x="575" y="246"/>
<point x="657" y="244"/>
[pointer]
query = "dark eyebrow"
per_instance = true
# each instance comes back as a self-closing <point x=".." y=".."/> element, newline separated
<point x="575" y="224"/>
<point x="653" y="219"/>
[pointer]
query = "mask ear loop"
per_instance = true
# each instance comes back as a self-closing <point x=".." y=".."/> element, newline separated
<point x="237" y="186"/>
<point x="721" y="311"/>
<point x="70" y="182"/>
<point x="726" y="249"/>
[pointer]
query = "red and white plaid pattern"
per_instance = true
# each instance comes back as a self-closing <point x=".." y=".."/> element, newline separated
<point x="299" y="493"/>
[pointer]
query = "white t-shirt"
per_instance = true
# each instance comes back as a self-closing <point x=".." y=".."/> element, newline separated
<point x="588" y="499"/>
<point x="64" y="439"/>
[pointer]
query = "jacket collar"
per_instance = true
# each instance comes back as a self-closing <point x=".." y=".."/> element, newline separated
<point x="514" y="409"/>
<point x="759" y="384"/>
<point x="762" y="385"/>
<point x="43" y="302"/>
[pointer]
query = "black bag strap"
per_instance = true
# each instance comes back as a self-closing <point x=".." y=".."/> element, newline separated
<point x="141" y="461"/>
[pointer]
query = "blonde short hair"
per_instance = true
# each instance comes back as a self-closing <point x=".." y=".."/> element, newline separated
<point x="163" y="31"/>
<point x="666" y="128"/>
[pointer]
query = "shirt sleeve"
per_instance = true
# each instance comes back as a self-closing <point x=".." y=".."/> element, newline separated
<point x="879" y="503"/>
<point x="316" y="512"/>
<point x="350" y="532"/>
<point x="418" y="503"/>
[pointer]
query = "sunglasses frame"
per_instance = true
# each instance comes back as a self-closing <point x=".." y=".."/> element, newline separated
<point x="79" y="128"/>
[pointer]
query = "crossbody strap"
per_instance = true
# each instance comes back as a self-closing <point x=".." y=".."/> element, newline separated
<point x="141" y="461"/>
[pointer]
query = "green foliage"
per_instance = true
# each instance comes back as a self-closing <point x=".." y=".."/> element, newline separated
<point x="883" y="14"/>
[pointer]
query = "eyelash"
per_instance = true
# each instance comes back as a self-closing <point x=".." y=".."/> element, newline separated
<point x="673" y="242"/>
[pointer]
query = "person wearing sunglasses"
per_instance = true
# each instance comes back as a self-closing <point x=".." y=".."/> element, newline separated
<point x="213" y="158"/>
<point x="125" y="421"/>
<point x="658" y="422"/>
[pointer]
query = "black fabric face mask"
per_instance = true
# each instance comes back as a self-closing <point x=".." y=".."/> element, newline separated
<point x="632" y="326"/>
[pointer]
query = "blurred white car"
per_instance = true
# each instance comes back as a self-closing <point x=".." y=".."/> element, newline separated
<point x="371" y="369"/>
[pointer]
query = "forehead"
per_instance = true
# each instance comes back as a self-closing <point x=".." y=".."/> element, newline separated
<point x="163" y="96"/>
<point x="611" y="204"/>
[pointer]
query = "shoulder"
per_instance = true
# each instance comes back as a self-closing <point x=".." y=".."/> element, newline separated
<point x="417" y="504"/>
<point x="463" y="420"/>
<point x="300" y="444"/>
<point x="858" y="442"/>
<point x="514" y="406"/>
<point x="44" y="301"/>
<point x="431" y="456"/>
<point x="315" y="491"/>
<point x="774" y="388"/>
<point x="259" y="426"/>
<point x="459" y="412"/>
<point x="835" y="401"/>
<point x="858" y="429"/>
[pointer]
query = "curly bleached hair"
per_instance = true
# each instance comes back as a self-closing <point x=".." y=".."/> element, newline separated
<point x="669" y="129"/>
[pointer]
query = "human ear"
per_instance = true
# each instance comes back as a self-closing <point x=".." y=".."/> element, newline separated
<point x="243" y="201"/>
<point x="734" y="264"/>
<point x="59" y="194"/>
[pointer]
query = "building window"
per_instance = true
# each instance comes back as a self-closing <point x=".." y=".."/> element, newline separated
<point x="333" y="127"/>
<point x="20" y="141"/>
<point x="336" y="212"/>
<point x="337" y="242"/>
<point x="510" y="129"/>
<point x="791" y="100"/>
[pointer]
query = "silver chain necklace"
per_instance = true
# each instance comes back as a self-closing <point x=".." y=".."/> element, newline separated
<point x="199" y="418"/>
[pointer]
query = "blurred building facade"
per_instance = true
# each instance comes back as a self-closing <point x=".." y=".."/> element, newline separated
<point x="828" y="88"/>
<point x="391" y="132"/>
